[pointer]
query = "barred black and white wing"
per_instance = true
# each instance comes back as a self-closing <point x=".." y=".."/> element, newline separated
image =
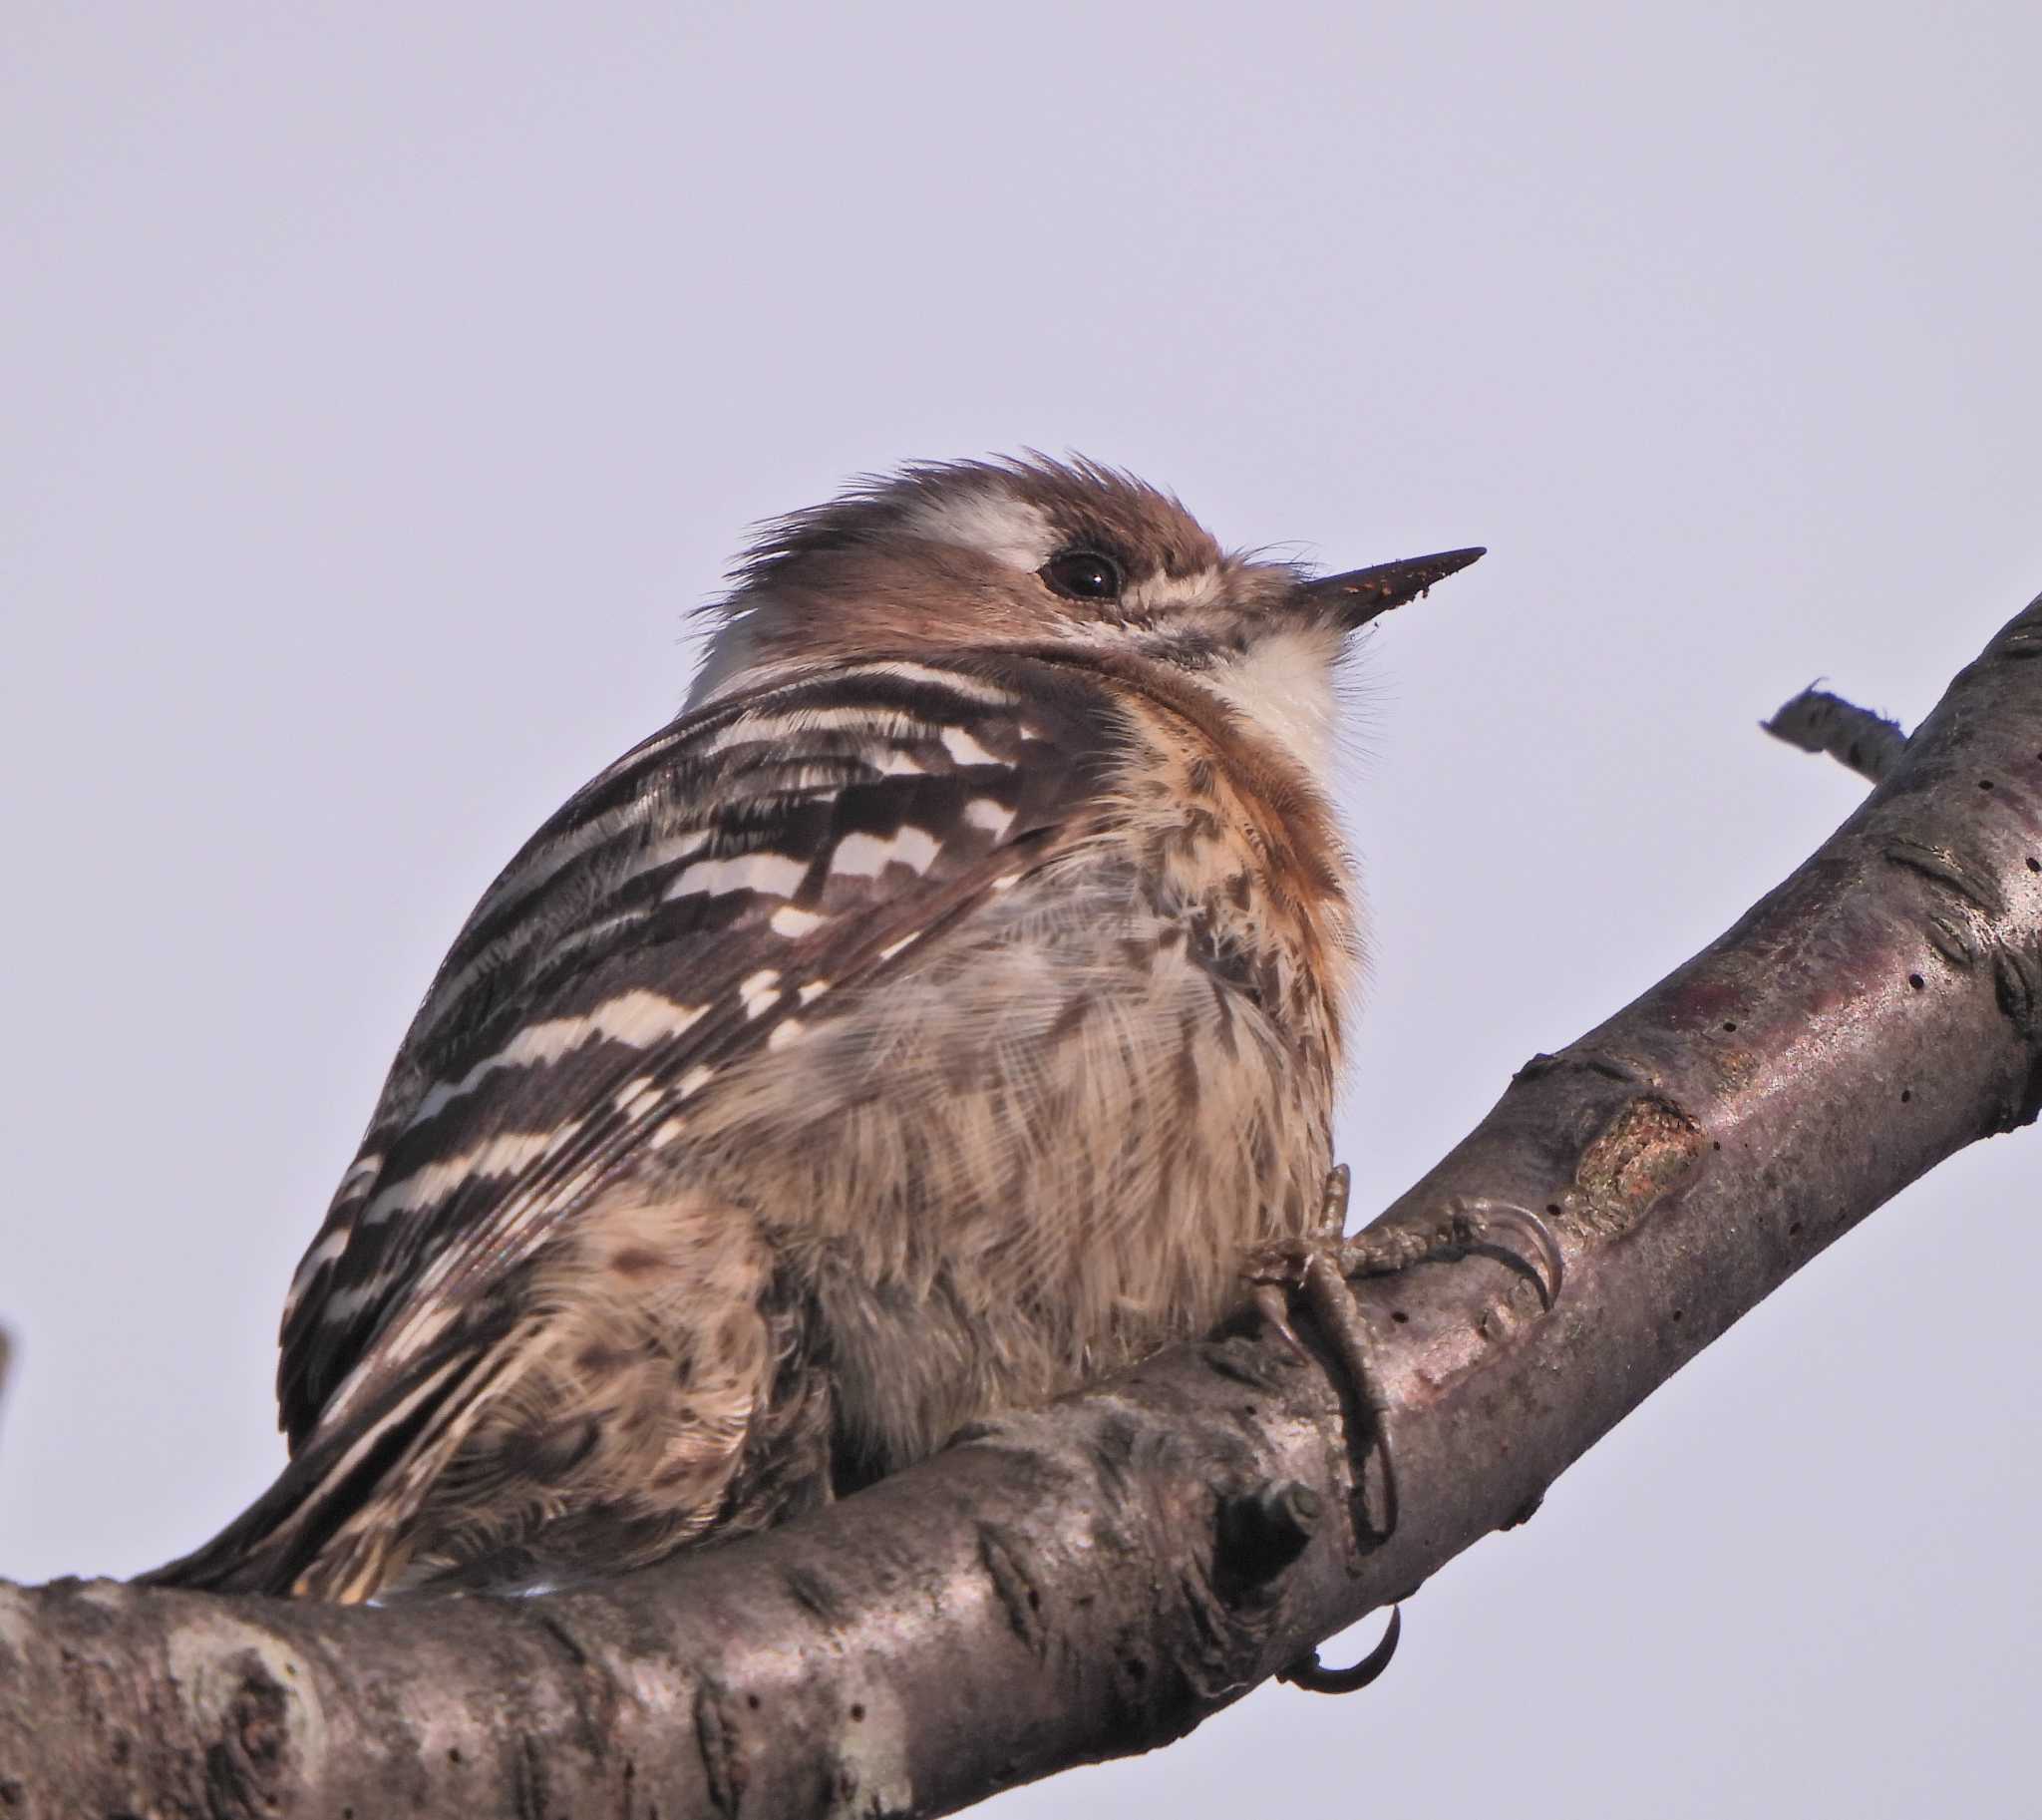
<point x="681" y="913"/>
<point x="698" y="905"/>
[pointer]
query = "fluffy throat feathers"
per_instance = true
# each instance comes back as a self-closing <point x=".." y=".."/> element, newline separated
<point x="1282" y="686"/>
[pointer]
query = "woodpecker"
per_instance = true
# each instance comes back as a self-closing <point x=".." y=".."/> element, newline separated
<point x="931" y="1018"/>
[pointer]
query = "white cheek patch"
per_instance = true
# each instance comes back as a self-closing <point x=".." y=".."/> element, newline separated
<point x="1008" y="530"/>
<point x="1283" y="685"/>
<point x="1155" y="606"/>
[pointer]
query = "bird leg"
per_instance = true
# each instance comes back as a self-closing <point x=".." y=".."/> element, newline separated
<point x="1318" y="1268"/>
<point x="1312" y="1267"/>
<point x="1320" y="1264"/>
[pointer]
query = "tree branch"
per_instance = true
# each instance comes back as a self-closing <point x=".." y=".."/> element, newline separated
<point x="1856" y="738"/>
<point x="1093" y="1578"/>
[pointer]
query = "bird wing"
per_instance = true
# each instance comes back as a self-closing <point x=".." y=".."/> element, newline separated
<point x="687" y="904"/>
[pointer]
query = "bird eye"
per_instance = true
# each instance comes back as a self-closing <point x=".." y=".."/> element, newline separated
<point x="1083" y="575"/>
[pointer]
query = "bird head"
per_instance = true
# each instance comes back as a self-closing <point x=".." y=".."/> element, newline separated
<point x="947" y="557"/>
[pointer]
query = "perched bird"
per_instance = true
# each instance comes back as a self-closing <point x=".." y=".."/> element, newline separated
<point x="927" y="1021"/>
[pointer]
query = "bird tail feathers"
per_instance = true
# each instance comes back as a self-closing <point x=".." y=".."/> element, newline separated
<point x="335" y="1524"/>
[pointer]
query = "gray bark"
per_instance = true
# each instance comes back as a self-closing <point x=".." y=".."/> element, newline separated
<point x="1093" y="1578"/>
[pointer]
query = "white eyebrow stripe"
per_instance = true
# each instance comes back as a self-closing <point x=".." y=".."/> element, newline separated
<point x="866" y="856"/>
<point x="984" y="812"/>
<point x="772" y="873"/>
<point x="503" y="1155"/>
<point x="996" y="524"/>
<point x="637" y="1019"/>
<point x="965" y="750"/>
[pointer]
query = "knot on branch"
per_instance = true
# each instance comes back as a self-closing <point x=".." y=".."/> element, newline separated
<point x="1645" y="1152"/>
<point x="1262" y="1532"/>
<point x="249" y="1764"/>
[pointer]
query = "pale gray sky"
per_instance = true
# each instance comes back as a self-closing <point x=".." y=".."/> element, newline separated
<point x="382" y="384"/>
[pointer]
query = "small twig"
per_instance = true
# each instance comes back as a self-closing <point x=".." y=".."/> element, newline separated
<point x="1817" y="721"/>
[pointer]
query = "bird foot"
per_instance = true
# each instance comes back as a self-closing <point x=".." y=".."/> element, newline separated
<point x="1319" y="1266"/>
<point x="1312" y="1269"/>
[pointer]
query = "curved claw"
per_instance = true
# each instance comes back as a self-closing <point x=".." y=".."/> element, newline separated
<point x="1476" y="1218"/>
<point x="1310" y="1675"/>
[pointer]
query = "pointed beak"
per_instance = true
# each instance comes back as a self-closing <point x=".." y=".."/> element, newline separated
<point x="1361" y="595"/>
